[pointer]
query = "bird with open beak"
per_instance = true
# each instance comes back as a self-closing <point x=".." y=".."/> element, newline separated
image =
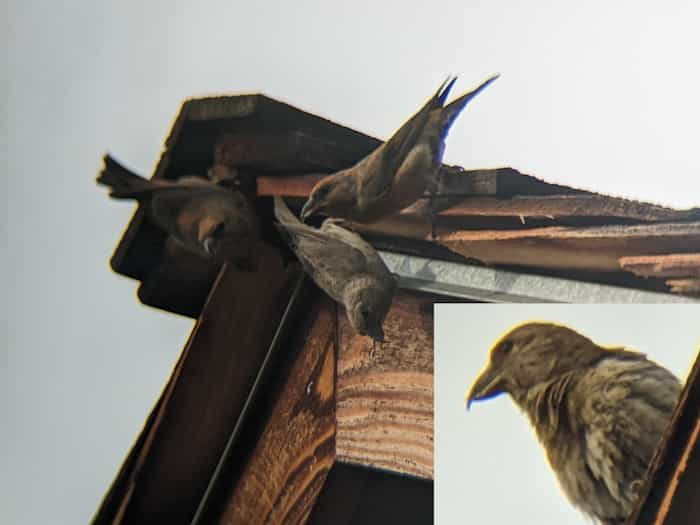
<point x="599" y="413"/>
<point x="209" y="220"/>
<point x="346" y="267"/>
<point x="398" y="172"/>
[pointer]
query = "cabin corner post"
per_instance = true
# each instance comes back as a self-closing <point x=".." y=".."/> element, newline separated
<point x="289" y="464"/>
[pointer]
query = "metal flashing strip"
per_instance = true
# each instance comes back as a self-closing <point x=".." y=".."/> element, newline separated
<point x="491" y="285"/>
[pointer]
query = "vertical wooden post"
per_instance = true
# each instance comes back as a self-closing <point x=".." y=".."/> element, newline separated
<point x="170" y="467"/>
<point x="290" y="462"/>
<point x="385" y="391"/>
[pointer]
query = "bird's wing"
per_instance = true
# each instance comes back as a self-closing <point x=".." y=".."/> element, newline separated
<point x="328" y="259"/>
<point x="352" y="239"/>
<point x="450" y="112"/>
<point x="377" y="170"/>
<point x="626" y="404"/>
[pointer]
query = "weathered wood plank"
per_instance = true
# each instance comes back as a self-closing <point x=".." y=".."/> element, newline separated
<point x="670" y="494"/>
<point x="287" y="186"/>
<point x="454" y="182"/>
<point x="503" y="182"/>
<point x="204" y="397"/>
<point x="385" y="391"/>
<point x="518" y="214"/>
<point x="558" y="206"/>
<point x="288" y="467"/>
<point x="281" y="151"/>
<point x="671" y="265"/>
<point x="684" y="286"/>
<point x="588" y="249"/>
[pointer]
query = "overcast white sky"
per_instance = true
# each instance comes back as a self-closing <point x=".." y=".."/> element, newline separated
<point x="489" y="466"/>
<point x="592" y="95"/>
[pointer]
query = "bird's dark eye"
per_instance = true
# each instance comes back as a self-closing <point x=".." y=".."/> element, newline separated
<point x="364" y="312"/>
<point x="321" y="192"/>
<point x="505" y="347"/>
<point x="219" y="230"/>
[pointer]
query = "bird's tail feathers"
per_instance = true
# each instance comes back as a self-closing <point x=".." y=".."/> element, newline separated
<point x="454" y="108"/>
<point x="444" y="90"/>
<point x="401" y="143"/>
<point x="123" y="183"/>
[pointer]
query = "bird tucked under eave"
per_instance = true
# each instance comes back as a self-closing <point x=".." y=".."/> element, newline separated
<point x="346" y="267"/>
<point x="398" y="172"/>
<point x="205" y="218"/>
<point x="599" y="413"/>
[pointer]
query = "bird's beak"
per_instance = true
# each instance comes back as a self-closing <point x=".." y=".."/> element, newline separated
<point x="308" y="208"/>
<point x="209" y="246"/>
<point x="488" y="385"/>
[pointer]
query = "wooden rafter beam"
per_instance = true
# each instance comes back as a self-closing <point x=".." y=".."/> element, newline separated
<point x="682" y="270"/>
<point x="454" y="181"/>
<point x="587" y="249"/>
<point x="670" y="495"/>
<point x="385" y="391"/>
<point x="289" y="464"/>
<point x="172" y="461"/>
<point x="668" y="265"/>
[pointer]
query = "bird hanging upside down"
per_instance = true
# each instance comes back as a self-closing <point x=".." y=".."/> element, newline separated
<point x="343" y="265"/>
<point x="599" y="413"/>
<point x="204" y="218"/>
<point x="398" y="172"/>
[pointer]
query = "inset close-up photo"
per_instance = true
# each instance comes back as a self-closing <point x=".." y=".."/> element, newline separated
<point x="564" y="414"/>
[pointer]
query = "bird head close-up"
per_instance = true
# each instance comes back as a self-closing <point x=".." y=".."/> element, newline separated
<point x="599" y="412"/>
<point x="225" y="234"/>
<point x="330" y="195"/>
<point x="532" y="354"/>
<point x="368" y="307"/>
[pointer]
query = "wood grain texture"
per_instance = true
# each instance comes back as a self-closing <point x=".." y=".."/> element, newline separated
<point x="684" y="286"/>
<point x="179" y="449"/>
<point x="454" y="181"/>
<point x="564" y="206"/>
<point x="288" y="467"/>
<point x="587" y="249"/>
<point x="385" y="391"/>
<point x="671" y="265"/>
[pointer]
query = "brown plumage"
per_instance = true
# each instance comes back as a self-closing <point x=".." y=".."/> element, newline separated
<point x="398" y="172"/>
<point x="599" y="413"/>
<point x="205" y="218"/>
<point x="347" y="268"/>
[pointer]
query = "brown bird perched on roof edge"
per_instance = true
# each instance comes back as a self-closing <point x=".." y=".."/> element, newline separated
<point x="346" y="267"/>
<point x="207" y="219"/>
<point x="599" y="413"/>
<point x="397" y="173"/>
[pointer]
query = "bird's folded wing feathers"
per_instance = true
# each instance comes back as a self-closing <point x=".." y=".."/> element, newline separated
<point x="318" y="250"/>
<point x="338" y="232"/>
<point x="624" y="418"/>
<point x="379" y="168"/>
<point x="323" y="252"/>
